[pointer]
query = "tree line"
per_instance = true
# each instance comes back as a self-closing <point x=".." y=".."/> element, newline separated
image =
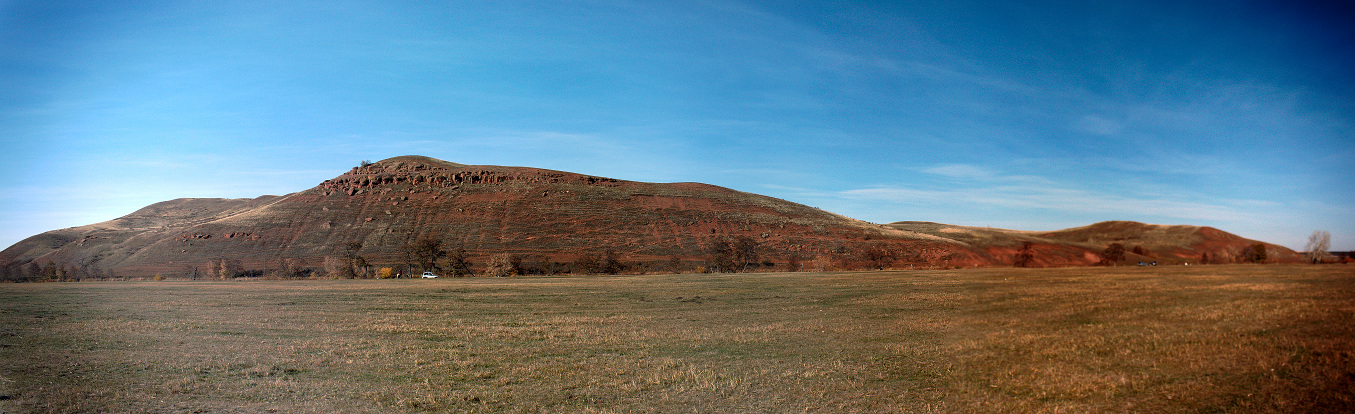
<point x="52" y="271"/>
<point x="1114" y="253"/>
<point x="721" y="254"/>
<point x="738" y="254"/>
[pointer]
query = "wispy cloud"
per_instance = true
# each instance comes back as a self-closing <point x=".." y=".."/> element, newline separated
<point x="970" y="187"/>
<point x="960" y="171"/>
<point x="1056" y="201"/>
<point x="1096" y="125"/>
<point x="942" y="73"/>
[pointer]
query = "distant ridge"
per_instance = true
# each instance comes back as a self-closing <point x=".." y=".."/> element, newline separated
<point x="1081" y="246"/>
<point x="553" y="216"/>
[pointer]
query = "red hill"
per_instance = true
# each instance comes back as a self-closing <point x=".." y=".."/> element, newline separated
<point x="486" y="210"/>
<point x="554" y="216"/>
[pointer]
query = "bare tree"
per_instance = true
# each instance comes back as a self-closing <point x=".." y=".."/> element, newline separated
<point x="353" y="265"/>
<point x="1113" y="254"/>
<point x="425" y="253"/>
<point x="458" y="263"/>
<point x="1026" y="256"/>
<point x="611" y="263"/>
<point x="500" y="265"/>
<point x="587" y="263"/>
<point x="515" y="263"/>
<point x="1255" y="254"/>
<point x="231" y="268"/>
<point x="879" y="257"/>
<point x="745" y="252"/>
<point x="675" y="264"/>
<point x="721" y="255"/>
<point x="288" y="268"/>
<point x="1318" y="244"/>
<point x="793" y="262"/>
<point x="335" y="268"/>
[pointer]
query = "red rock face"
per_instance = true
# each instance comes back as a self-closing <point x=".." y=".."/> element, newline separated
<point x="558" y="216"/>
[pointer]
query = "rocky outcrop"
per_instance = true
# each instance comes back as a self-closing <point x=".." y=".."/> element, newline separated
<point x="419" y="171"/>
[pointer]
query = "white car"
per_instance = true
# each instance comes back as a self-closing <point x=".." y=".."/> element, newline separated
<point x="429" y="275"/>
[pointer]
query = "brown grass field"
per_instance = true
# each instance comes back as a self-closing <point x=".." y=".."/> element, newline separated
<point x="1161" y="339"/>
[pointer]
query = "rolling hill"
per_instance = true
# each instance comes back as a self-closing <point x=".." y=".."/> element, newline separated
<point x="552" y="216"/>
<point x="1081" y="246"/>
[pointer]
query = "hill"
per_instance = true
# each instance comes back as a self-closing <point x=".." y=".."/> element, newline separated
<point x="548" y="217"/>
<point x="487" y="210"/>
<point x="1082" y="246"/>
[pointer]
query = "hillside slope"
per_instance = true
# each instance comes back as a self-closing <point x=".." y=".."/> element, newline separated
<point x="556" y="216"/>
<point x="1081" y="246"/>
<point x="486" y="210"/>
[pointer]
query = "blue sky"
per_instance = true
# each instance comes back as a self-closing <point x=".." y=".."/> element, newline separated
<point x="1021" y="115"/>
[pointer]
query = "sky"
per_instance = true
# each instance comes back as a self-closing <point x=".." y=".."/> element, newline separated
<point x="1032" y="115"/>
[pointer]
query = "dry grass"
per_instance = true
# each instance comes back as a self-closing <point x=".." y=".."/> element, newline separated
<point x="1167" y="339"/>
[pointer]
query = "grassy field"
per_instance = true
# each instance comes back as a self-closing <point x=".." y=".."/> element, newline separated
<point x="1163" y="339"/>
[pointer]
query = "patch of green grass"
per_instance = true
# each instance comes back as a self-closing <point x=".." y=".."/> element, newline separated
<point x="1166" y="339"/>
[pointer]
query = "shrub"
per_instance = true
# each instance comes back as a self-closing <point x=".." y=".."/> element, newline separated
<point x="793" y="263"/>
<point x="587" y="264"/>
<point x="1113" y="254"/>
<point x="458" y="263"/>
<point x="879" y="257"/>
<point x="611" y="263"/>
<point x="1026" y="256"/>
<point x="1256" y="253"/>
<point x="500" y="266"/>
<point x="722" y="255"/>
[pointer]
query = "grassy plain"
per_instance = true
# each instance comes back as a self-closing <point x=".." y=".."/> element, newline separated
<point x="1161" y="339"/>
